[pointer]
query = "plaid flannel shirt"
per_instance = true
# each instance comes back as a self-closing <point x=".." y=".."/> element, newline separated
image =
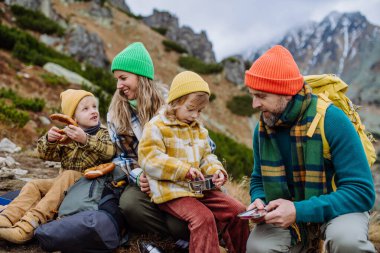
<point x="126" y="157"/>
<point x="75" y="156"/>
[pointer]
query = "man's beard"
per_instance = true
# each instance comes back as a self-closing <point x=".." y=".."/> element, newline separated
<point x="275" y="115"/>
<point x="271" y="119"/>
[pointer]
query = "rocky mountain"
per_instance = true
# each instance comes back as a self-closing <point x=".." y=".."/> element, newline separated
<point x="95" y="31"/>
<point x="196" y="44"/>
<point x="345" y="44"/>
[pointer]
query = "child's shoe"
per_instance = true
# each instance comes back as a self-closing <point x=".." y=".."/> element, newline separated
<point x="5" y="222"/>
<point x="21" y="232"/>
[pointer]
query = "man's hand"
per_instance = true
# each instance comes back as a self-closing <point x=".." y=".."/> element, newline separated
<point x="259" y="205"/>
<point x="144" y="184"/>
<point x="281" y="212"/>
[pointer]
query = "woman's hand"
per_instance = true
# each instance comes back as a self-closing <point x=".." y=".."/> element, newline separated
<point x="218" y="178"/>
<point x="193" y="174"/>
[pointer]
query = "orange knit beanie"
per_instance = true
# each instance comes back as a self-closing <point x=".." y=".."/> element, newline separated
<point x="275" y="72"/>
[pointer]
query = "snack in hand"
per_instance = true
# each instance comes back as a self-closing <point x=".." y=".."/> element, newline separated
<point x="66" y="120"/>
<point x="63" y="119"/>
<point x="99" y="170"/>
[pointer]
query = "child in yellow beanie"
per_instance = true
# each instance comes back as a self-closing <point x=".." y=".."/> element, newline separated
<point x="90" y="146"/>
<point x="174" y="149"/>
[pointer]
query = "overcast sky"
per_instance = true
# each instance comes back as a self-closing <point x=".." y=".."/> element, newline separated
<point x="235" y="26"/>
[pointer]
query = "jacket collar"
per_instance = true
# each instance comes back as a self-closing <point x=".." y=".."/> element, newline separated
<point x="175" y="122"/>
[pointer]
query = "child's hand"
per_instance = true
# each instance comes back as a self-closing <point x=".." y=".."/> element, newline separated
<point x="194" y="173"/>
<point x="144" y="183"/>
<point x="218" y="178"/>
<point x="53" y="134"/>
<point x="76" y="133"/>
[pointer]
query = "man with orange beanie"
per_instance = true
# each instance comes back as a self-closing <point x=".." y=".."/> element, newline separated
<point x="291" y="181"/>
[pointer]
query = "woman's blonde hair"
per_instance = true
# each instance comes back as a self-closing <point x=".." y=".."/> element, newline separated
<point x="149" y="101"/>
<point x="201" y="99"/>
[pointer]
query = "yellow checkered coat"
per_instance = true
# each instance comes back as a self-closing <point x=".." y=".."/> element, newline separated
<point x="166" y="152"/>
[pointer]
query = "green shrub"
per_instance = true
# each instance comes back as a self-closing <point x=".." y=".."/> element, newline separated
<point x="241" y="105"/>
<point x="10" y="114"/>
<point x="35" y="21"/>
<point x="171" y="45"/>
<point x="31" y="104"/>
<point x="160" y="30"/>
<point x="138" y="17"/>
<point x="212" y="97"/>
<point x="197" y="65"/>
<point x="54" y="80"/>
<point x="239" y="158"/>
<point x="29" y="50"/>
<point x="231" y="59"/>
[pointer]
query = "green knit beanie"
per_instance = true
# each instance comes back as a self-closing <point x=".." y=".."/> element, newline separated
<point x="134" y="59"/>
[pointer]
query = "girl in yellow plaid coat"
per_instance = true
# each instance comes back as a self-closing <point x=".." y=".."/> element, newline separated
<point x="174" y="149"/>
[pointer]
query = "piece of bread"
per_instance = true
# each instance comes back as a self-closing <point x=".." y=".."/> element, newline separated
<point x="99" y="170"/>
<point x="63" y="118"/>
<point x="66" y="120"/>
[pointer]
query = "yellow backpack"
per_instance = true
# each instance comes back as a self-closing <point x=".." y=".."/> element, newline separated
<point x="332" y="89"/>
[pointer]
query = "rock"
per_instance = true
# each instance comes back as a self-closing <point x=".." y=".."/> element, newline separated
<point x="8" y="161"/>
<point x="44" y="120"/>
<point x="20" y="172"/>
<point x="99" y="11"/>
<point x="120" y="4"/>
<point x="70" y="76"/>
<point x="30" y="126"/>
<point x="6" y="175"/>
<point x="56" y="43"/>
<point x="51" y="164"/>
<point x="7" y="146"/>
<point x="161" y="19"/>
<point x="234" y="69"/>
<point x="86" y="46"/>
<point x="31" y="4"/>
<point x="196" y="44"/>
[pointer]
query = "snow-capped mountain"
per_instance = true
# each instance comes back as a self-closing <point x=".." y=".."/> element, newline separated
<point x="342" y="43"/>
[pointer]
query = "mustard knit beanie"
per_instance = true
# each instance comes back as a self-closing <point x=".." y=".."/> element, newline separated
<point x="70" y="99"/>
<point x="134" y="59"/>
<point x="185" y="83"/>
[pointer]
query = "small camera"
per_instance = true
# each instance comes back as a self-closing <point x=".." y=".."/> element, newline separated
<point x="198" y="186"/>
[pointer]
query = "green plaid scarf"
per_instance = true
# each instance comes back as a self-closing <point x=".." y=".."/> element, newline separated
<point x="307" y="157"/>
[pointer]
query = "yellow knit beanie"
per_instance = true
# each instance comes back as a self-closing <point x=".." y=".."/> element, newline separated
<point x="185" y="83"/>
<point x="70" y="99"/>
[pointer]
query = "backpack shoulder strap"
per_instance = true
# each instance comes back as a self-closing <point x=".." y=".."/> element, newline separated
<point x="323" y="103"/>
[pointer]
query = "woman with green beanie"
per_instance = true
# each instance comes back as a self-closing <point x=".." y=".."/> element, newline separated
<point x="136" y="100"/>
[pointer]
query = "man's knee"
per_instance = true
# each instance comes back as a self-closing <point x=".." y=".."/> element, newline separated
<point x="347" y="243"/>
<point x="266" y="238"/>
<point x="258" y="246"/>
